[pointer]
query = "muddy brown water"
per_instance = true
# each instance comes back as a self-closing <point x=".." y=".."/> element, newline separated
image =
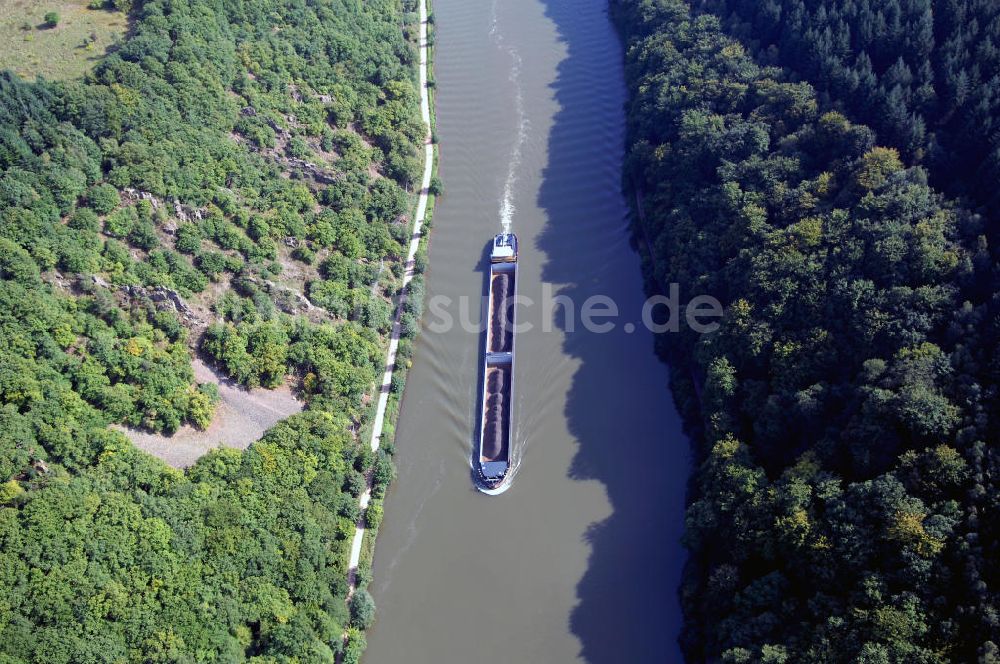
<point x="580" y="559"/>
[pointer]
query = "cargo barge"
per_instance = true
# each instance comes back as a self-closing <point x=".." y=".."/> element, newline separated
<point x="496" y="399"/>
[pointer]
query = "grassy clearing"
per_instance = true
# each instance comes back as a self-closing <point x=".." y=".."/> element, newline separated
<point x="68" y="50"/>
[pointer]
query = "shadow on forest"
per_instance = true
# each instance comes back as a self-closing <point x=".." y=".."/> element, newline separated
<point x="619" y="407"/>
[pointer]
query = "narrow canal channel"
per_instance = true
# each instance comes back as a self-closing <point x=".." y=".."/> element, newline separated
<point x="580" y="559"/>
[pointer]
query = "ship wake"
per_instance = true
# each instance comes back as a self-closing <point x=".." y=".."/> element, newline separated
<point x="514" y="163"/>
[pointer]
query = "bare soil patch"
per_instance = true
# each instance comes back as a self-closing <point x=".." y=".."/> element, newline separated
<point x="241" y="418"/>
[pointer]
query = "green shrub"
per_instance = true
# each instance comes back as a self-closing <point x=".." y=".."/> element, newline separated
<point x="362" y="609"/>
<point x="211" y="263"/>
<point x="84" y="219"/>
<point x="373" y="515"/>
<point x="436" y="187"/>
<point x="304" y="254"/>
<point x="355" y="647"/>
<point x="120" y="223"/>
<point x="103" y="198"/>
<point x="383" y="473"/>
<point x="143" y="235"/>
<point x="188" y="238"/>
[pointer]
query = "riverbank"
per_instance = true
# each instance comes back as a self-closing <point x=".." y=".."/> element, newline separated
<point x="382" y="424"/>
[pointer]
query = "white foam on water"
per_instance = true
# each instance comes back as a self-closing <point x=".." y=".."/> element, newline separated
<point x="507" y="198"/>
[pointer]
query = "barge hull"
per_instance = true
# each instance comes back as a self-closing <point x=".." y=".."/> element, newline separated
<point x="496" y="399"/>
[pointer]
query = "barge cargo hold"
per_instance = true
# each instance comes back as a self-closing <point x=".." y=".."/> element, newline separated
<point x="496" y="399"/>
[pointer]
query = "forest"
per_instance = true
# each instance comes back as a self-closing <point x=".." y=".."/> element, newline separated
<point x="233" y="180"/>
<point x="843" y="506"/>
<point x="922" y="74"/>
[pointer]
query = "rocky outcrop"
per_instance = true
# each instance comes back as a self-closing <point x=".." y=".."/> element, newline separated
<point x="130" y="194"/>
<point x="165" y="299"/>
<point x="310" y="169"/>
<point x="287" y="299"/>
<point x="187" y="212"/>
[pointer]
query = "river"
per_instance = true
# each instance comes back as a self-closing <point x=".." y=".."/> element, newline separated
<point x="581" y="558"/>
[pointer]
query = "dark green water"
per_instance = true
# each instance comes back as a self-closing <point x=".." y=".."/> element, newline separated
<point x="580" y="559"/>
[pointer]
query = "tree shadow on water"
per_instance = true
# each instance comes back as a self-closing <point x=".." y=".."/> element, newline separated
<point x="619" y="407"/>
